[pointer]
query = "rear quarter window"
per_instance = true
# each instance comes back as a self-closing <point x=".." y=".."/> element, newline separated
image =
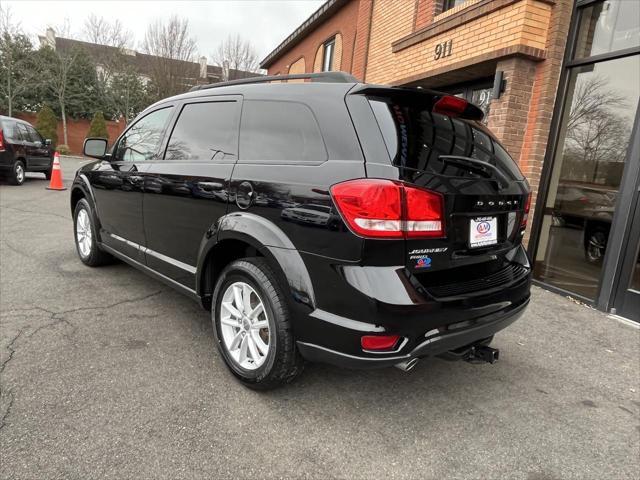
<point x="280" y="132"/>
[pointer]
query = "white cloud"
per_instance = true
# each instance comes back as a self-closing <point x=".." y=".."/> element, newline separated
<point x="264" y="22"/>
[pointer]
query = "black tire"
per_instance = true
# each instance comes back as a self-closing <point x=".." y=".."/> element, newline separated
<point x="17" y="175"/>
<point x="595" y="244"/>
<point x="283" y="363"/>
<point x="95" y="257"/>
<point x="48" y="173"/>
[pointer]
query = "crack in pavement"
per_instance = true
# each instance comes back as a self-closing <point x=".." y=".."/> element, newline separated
<point x="14" y="249"/>
<point x="11" y="351"/>
<point x="57" y="319"/>
<point x="5" y="415"/>
<point x="35" y="213"/>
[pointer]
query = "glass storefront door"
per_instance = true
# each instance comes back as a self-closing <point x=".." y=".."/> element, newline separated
<point x="592" y="147"/>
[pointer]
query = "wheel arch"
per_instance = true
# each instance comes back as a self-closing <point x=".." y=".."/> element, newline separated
<point x="242" y="234"/>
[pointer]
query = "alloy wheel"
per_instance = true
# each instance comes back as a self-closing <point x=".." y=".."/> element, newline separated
<point x="83" y="233"/>
<point x="19" y="173"/>
<point x="244" y="326"/>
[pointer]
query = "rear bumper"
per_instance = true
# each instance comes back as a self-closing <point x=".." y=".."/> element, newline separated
<point x="431" y="344"/>
<point x="352" y="301"/>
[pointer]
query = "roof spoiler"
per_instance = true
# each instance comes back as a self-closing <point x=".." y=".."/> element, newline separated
<point x="439" y="102"/>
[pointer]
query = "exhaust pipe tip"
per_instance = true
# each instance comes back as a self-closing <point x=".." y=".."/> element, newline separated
<point x="407" y="364"/>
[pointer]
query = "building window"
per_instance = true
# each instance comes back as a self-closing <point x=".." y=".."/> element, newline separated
<point x="449" y="4"/>
<point x="327" y="57"/>
<point x="603" y="89"/>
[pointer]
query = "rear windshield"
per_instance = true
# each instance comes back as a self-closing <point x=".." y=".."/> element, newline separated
<point x="416" y="137"/>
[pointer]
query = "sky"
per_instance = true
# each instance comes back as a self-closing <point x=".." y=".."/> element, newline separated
<point x="263" y="22"/>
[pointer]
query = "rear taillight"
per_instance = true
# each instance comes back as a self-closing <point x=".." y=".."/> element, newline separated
<point x="386" y="209"/>
<point x="1" y="141"/>
<point x="525" y="216"/>
<point x="379" y="342"/>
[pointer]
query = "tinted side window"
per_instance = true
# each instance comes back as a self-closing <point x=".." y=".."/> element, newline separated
<point x="274" y="131"/>
<point x="10" y="131"/>
<point x="23" y="134"/>
<point x="142" y="140"/>
<point x="34" y="135"/>
<point x="205" y="131"/>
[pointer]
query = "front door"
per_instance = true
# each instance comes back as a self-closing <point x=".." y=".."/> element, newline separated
<point x="118" y="184"/>
<point x="186" y="189"/>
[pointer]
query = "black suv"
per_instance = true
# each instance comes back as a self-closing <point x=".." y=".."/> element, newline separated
<point x="22" y="149"/>
<point x="323" y="219"/>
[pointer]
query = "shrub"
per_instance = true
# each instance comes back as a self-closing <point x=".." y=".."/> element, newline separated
<point x="63" y="149"/>
<point x="98" y="127"/>
<point x="47" y="124"/>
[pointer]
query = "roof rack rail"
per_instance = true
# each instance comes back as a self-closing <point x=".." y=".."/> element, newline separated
<point x="321" y="77"/>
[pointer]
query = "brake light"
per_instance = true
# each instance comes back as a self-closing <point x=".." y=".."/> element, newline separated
<point x="453" y="106"/>
<point x="379" y="342"/>
<point x="1" y="141"/>
<point x="377" y="208"/>
<point x="450" y="104"/>
<point x="525" y="216"/>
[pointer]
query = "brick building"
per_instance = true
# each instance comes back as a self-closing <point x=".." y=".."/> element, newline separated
<point x="528" y="64"/>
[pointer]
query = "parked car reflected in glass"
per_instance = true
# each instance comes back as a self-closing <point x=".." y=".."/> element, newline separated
<point x="316" y="215"/>
<point x="588" y="207"/>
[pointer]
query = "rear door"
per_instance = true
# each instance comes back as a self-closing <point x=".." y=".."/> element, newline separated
<point x="186" y="191"/>
<point x="485" y="194"/>
<point x="29" y="146"/>
<point x="40" y="156"/>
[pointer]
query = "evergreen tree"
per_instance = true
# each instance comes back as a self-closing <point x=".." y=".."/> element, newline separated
<point x="47" y="124"/>
<point x="98" y="128"/>
<point x="17" y="73"/>
<point x="69" y="82"/>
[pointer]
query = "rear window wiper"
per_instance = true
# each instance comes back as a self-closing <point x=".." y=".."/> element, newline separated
<point x="477" y="165"/>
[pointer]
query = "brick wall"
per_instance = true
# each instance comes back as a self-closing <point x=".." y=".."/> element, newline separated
<point x="344" y="22"/>
<point x="522" y="24"/>
<point x="76" y="130"/>
<point x="363" y="31"/>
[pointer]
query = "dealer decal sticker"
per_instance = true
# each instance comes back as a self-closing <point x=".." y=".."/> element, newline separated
<point x="423" y="262"/>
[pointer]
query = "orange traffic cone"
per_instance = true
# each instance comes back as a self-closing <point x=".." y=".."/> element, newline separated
<point x="56" y="175"/>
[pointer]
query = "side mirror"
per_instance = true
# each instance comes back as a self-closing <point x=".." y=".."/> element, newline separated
<point x="47" y="142"/>
<point x="95" y="147"/>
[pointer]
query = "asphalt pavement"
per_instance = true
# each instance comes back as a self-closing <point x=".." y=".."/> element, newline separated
<point x="107" y="373"/>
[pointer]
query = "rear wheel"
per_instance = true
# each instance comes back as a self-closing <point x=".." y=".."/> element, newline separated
<point x="252" y="325"/>
<point x="16" y="177"/>
<point x="85" y="236"/>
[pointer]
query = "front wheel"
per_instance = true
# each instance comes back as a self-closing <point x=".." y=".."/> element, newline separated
<point x="85" y="236"/>
<point x="252" y="325"/>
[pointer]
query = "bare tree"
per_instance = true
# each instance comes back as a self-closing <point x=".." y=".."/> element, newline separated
<point x="596" y="132"/>
<point x="234" y="55"/>
<point x="101" y="31"/>
<point x="171" y="61"/>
